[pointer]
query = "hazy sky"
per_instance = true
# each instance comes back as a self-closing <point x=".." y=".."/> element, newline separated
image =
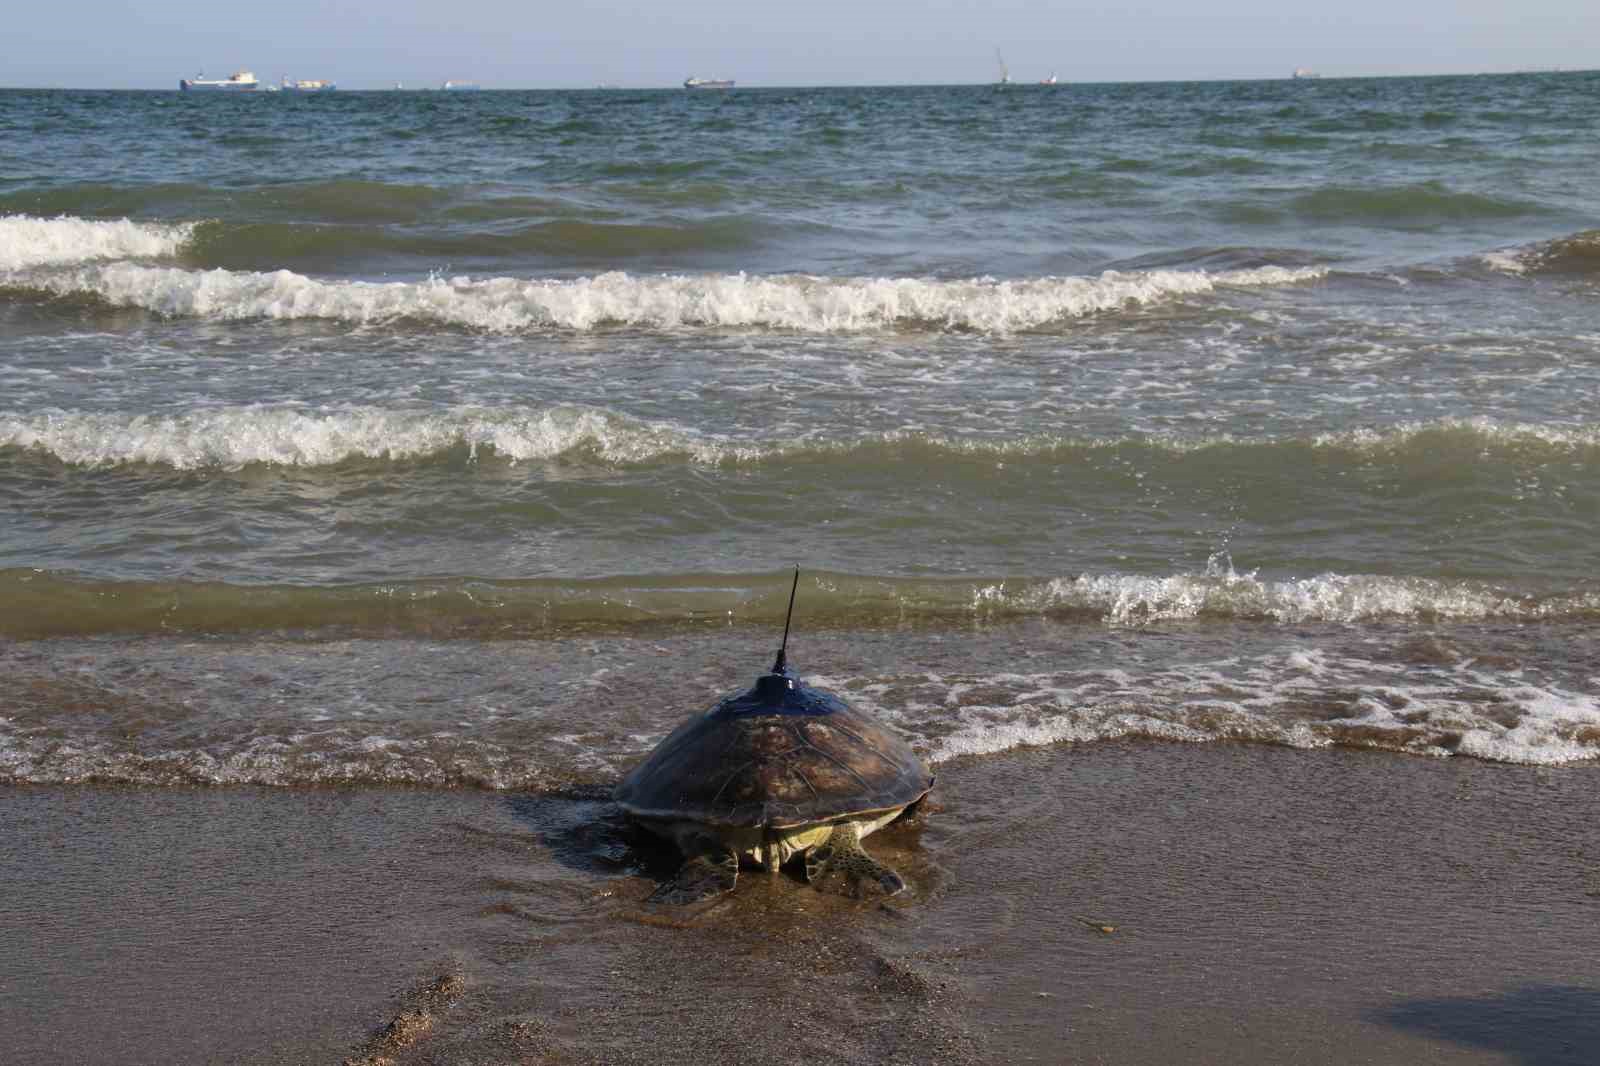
<point x="581" y="43"/>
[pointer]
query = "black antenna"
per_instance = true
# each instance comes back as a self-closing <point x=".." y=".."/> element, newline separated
<point x="777" y="667"/>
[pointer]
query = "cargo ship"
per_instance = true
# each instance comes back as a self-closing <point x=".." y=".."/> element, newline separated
<point x="240" y="81"/>
<point x="708" y="83"/>
<point x="306" y="85"/>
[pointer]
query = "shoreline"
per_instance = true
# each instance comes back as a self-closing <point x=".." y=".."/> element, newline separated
<point x="1268" y="905"/>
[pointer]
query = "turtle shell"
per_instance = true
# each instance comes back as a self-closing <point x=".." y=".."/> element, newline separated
<point x="777" y="756"/>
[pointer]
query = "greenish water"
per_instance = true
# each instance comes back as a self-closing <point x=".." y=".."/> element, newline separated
<point x="1295" y="371"/>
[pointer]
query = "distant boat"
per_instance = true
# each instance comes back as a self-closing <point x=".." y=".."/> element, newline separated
<point x="240" y="81"/>
<point x="1051" y="80"/>
<point x="461" y="86"/>
<point x="1302" y="74"/>
<point x="708" y="83"/>
<point x="1005" y="75"/>
<point x="306" y="85"/>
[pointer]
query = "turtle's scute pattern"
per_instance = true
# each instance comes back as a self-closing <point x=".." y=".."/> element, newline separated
<point x="813" y="759"/>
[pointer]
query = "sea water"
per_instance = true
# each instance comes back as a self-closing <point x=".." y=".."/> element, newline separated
<point x="441" y="439"/>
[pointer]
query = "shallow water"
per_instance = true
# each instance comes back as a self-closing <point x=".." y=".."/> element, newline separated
<point x="566" y="710"/>
<point x="447" y="439"/>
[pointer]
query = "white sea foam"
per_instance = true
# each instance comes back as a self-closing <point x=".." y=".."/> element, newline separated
<point x="230" y="437"/>
<point x="1486" y="430"/>
<point x="1575" y="252"/>
<point x="1454" y="709"/>
<point x="789" y="302"/>
<point x="1358" y="696"/>
<point x="32" y="242"/>
<point x="1506" y="260"/>
<point x="1139" y="600"/>
<point x="233" y="437"/>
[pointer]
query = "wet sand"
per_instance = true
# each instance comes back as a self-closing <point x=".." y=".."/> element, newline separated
<point x="1131" y="903"/>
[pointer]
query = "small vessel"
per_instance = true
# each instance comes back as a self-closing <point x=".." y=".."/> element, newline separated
<point x="1302" y="74"/>
<point x="240" y="81"/>
<point x="1051" y="80"/>
<point x="708" y="83"/>
<point x="306" y="85"/>
<point x="461" y="86"/>
<point x="1005" y="75"/>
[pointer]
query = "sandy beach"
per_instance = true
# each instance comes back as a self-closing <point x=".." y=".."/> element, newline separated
<point x="1202" y="478"/>
<point x="1132" y="902"/>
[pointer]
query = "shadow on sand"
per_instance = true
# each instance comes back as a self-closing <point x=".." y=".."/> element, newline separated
<point x="583" y="830"/>
<point x="1537" y="1025"/>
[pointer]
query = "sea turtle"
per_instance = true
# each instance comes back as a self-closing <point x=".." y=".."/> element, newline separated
<point x="780" y="770"/>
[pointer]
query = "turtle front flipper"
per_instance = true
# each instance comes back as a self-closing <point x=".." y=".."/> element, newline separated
<point x="710" y="870"/>
<point x="839" y="864"/>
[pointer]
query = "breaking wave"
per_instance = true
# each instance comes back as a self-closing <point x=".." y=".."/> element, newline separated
<point x="52" y="604"/>
<point x="233" y="437"/>
<point x="1577" y="255"/>
<point x="1221" y="593"/>
<point x="801" y="303"/>
<point x="33" y="242"/>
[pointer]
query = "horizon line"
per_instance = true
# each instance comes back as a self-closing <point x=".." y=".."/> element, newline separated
<point x="678" y="87"/>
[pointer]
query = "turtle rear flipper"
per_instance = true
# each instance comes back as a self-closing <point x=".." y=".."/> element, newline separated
<point x="703" y="875"/>
<point x="839" y="864"/>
